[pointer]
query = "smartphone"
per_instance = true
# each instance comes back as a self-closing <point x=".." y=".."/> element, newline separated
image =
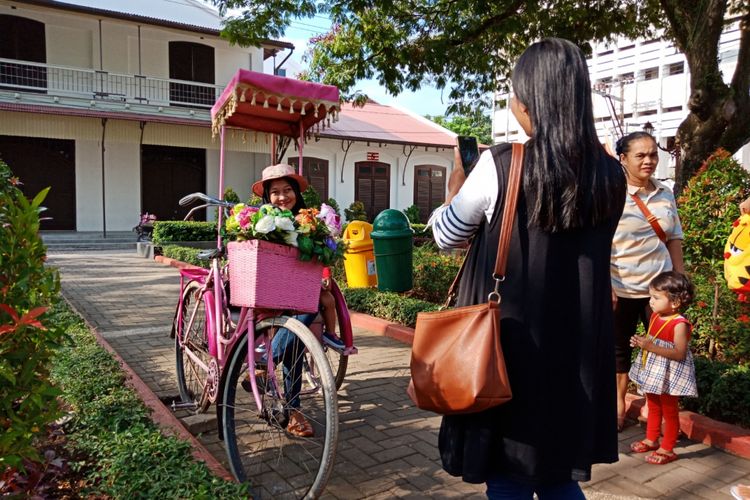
<point x="469" y="151"/>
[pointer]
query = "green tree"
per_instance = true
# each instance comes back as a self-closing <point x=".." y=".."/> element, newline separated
<point x="475" y="123"/>
<point x="471" y="45"/>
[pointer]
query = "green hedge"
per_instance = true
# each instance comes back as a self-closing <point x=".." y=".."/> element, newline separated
<point x="434" y="272"/>
<point x="386" y="305"/>
<point x="185" y="254"/>
<point x="723" y="392"/>
<point x="123" y="454"/>
<point x="166" y="231"/>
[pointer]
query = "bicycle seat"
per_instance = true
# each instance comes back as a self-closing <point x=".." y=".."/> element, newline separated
<point x="215" y="253"/>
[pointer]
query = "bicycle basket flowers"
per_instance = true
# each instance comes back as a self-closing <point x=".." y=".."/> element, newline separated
<point x="316" y="233"/>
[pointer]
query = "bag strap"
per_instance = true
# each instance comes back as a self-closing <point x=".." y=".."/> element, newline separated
<point x="509" y="213"/>
<point x="651" y="218"/>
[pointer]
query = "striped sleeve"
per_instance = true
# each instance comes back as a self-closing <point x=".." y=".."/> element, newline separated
<point x="452" y="225"/>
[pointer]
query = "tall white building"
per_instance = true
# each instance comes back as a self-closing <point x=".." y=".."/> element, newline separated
<point x="638" y="81"/>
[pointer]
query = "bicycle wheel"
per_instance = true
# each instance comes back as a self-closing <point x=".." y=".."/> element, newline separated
<point x="192" y="379"/>
<point x="259" y="448"/>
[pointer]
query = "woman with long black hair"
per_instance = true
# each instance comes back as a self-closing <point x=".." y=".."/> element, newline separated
<point x="556" y="311"/>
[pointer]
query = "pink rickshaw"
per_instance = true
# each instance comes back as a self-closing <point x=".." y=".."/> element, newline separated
<point x="260" y="365"/>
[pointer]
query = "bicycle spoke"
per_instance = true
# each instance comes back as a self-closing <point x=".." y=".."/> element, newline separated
<point x="192" y="357"/>
<point x="260" y="447"/>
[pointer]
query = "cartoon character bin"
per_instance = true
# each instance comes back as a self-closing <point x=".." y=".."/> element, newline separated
<point x="737" y="256"/>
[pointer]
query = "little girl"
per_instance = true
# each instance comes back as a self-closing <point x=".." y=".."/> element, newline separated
<point x="664" y="369"/>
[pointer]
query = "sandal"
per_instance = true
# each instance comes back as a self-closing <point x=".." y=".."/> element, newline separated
<point x="299" y="426"/>
<point x="657" y="458"/>
<point x="642" y="447"/>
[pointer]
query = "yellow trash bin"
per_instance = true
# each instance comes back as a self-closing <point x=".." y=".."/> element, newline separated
<point x="359" y="260"/>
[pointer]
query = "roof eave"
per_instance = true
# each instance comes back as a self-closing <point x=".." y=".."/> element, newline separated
<point x="324" y="135"/>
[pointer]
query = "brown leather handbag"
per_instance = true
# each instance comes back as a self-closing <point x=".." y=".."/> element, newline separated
<point x="457" y="363"/>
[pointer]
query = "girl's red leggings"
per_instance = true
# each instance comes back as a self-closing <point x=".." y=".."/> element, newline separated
<point x="663" y="406"/>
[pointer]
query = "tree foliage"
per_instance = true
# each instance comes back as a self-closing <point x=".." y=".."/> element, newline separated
<point x="475" y="123"/>
<point x="471" y="46"/>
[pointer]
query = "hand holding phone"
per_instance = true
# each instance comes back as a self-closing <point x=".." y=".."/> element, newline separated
<point x="469" y="151"/>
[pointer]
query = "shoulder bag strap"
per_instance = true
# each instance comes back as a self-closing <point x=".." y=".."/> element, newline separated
<point x="651" y="218"/>
<point x="511" y="196"/>
<point x="509" y="212"/>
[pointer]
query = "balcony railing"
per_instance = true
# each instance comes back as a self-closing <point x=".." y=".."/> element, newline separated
<point x="24" y="76"/>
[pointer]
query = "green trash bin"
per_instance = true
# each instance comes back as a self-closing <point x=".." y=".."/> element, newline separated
<point x="393" y="239"/>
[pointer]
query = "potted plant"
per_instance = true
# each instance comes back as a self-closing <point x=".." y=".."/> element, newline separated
<point x="145" y="227"/>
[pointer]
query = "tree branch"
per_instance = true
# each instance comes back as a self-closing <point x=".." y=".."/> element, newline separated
<point x="741" y="78"/>
<point x="473" y="34"/>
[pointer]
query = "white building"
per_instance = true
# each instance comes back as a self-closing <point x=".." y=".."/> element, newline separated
<point x="638" y="81"/>
<point x="107" y="102"/>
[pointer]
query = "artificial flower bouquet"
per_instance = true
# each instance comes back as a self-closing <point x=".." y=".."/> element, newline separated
<point x="315" y="233"/>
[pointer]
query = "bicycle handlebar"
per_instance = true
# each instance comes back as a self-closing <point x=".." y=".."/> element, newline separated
<point x="209" y="201"/>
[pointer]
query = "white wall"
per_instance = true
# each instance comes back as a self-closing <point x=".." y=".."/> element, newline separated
<point x="642" y="100"/>
<point x="73" y="40"/>
<point x="122" y="184"/>
<point x="88" y="186"/>
<point x="401" y="190"/>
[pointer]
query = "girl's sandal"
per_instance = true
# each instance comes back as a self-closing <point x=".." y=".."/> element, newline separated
<point x="299" y="426"/>
<point x="657" y="458"/>
<point x="642" y="447"/>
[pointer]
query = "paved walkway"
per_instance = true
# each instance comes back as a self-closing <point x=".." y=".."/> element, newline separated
<point x="387" y="447"/>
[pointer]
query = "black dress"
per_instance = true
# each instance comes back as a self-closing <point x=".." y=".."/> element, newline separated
<point x="556" y="333"/>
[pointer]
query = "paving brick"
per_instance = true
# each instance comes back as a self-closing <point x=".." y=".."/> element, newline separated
<point x="672" y="480"/>
<point x="393" y="453"/>
<point x="387" y="446"/>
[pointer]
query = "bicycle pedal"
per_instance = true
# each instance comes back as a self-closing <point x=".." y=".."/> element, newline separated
<point x="183" y="406"/>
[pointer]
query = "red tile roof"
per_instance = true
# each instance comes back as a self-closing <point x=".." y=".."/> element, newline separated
<point x="378" y="123"/>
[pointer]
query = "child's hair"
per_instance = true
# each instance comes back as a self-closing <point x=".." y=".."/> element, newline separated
<point x="676" y="285"/>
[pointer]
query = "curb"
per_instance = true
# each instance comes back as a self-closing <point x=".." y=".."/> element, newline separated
<point x="160" y="414"/>
<point x="383" y="327"/>
<point x="730" y="438"/>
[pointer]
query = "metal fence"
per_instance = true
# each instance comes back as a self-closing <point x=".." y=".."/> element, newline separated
<point x="94" y="84"/>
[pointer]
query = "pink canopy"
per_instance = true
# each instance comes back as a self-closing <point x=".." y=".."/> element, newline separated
<point x="274" y="104"/>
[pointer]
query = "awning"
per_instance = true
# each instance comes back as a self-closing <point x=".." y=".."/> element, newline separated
<point x="275" y="104"/>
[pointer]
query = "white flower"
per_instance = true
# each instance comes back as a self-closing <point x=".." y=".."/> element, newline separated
<point x="284" y="223"/>
<point x="265" y="225"/>
<point x="290" y="238"/>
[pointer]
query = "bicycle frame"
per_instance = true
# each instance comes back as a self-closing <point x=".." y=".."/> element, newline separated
<point x="218" y="322"/>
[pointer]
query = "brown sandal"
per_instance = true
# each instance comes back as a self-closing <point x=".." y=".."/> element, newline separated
<point x="299" y="426"/>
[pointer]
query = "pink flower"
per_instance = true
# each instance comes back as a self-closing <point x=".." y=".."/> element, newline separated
<point x="330" y="217"/>
<point x="245" y="217"/>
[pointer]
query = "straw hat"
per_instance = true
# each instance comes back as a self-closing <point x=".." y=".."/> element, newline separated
<point x="277" y="172"/>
